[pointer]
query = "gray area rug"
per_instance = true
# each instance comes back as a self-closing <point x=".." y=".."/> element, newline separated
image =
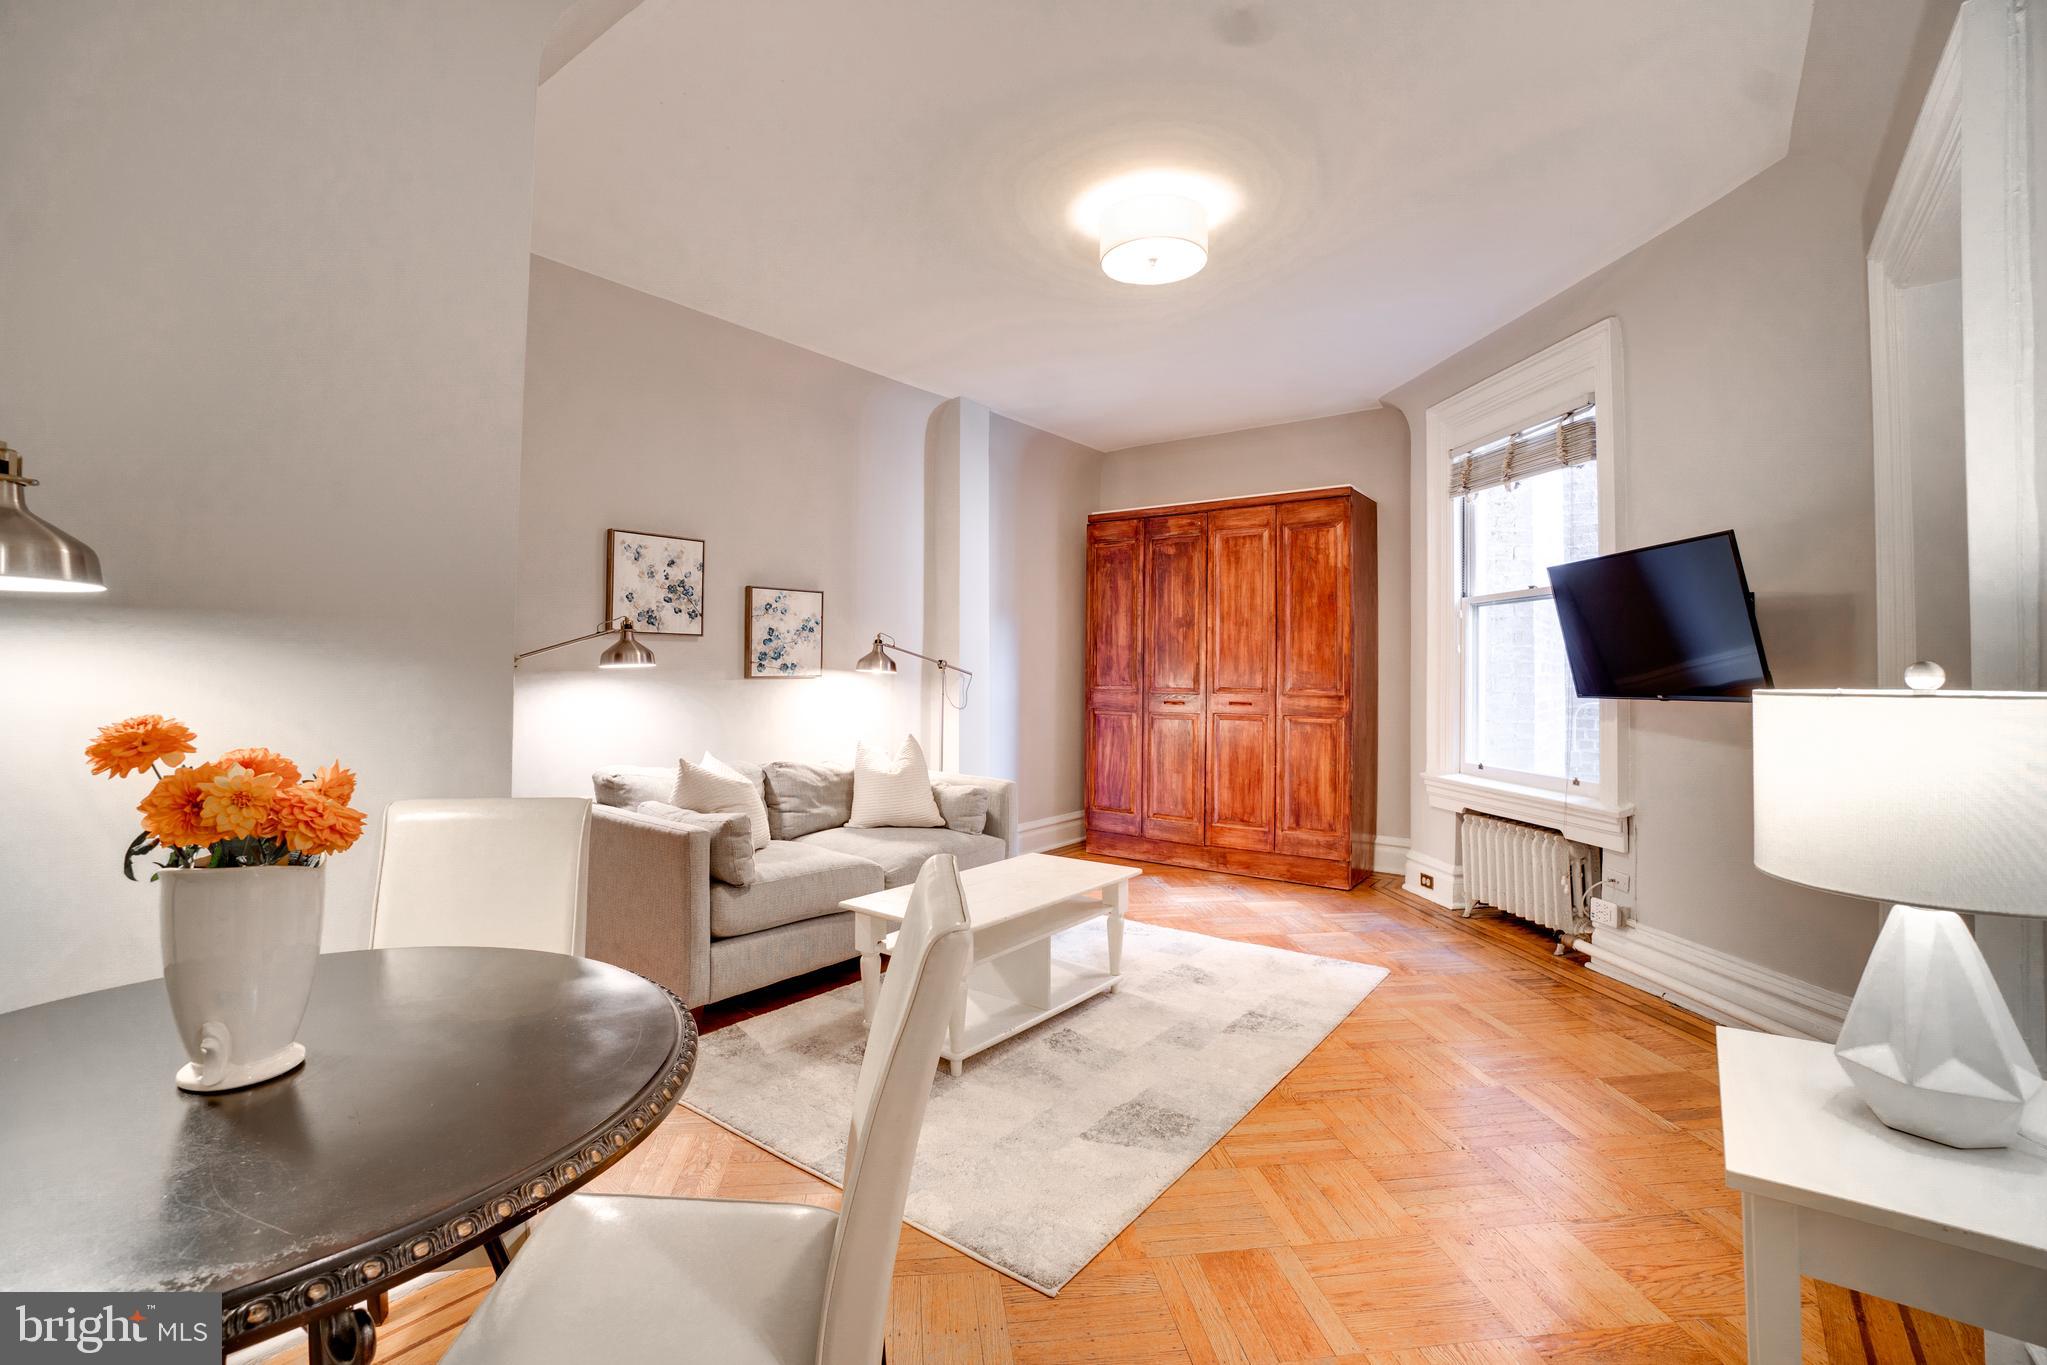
<point x="1053" y="1142"/>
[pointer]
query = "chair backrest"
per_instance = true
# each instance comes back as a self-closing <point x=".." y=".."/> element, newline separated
<point x="934" y="949"/>
<point x="485" y="872"/>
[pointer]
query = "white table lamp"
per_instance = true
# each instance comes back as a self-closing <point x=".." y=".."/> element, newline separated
<point x="1937" y="800"/>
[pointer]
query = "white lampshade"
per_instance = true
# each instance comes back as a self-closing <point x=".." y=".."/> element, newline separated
<point x="1935" y="799"/>
<point x="1154" y="239"/>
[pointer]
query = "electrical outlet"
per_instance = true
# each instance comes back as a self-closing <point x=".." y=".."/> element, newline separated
<point x="1428" y="882"/>
<point x="1620" y="883"/>
<point x="1605" y="914"/>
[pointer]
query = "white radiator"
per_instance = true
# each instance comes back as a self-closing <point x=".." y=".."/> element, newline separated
<point x="1529" y="872"/>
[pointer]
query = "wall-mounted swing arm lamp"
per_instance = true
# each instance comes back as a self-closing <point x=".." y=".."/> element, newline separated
<point x="34" y="555"/>
<point x="624" y="652"/>
<point x="876" y="660"/>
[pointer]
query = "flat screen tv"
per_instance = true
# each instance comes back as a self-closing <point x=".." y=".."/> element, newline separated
<point x="1673" y="622"/>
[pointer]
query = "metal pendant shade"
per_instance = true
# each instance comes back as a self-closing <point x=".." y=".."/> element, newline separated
<point x="626" y="652"/>
<point x="34" y="555"/>
<point x="875" y="660"/>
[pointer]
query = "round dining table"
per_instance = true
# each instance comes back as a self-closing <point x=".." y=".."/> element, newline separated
<point x="448" y="1095"/>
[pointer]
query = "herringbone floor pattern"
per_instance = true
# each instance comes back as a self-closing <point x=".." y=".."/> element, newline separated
<point x="1499" y="1159"/>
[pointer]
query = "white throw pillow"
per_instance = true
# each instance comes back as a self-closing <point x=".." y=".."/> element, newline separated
<point x="893" y="793"/>
<point x="712" y="788"/>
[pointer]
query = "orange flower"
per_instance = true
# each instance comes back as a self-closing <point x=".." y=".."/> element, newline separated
<point x="129" y="746"/>
<point x="335" y="782"/>
<point x="238" y="802"/>
<point x="311" y="823"/>
<point x="262" y="761"/>
<point x="174" y="812"/>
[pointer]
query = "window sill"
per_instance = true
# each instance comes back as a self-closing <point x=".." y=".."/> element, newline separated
<point x="1580" y="818"/>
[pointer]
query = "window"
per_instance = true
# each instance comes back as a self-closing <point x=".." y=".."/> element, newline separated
<point x="1524" y="502"/>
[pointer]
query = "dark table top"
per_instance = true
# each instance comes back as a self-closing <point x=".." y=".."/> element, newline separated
<point x="447" y="1094"/>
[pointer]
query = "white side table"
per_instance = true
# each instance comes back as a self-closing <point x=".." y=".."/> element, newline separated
<point x="1828" y="1191"/>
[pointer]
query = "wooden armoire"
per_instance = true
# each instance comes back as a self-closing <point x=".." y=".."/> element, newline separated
<point x="1232" y="684"/>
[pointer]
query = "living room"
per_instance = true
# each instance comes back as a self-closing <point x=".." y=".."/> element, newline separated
<point x="791" y="358"/>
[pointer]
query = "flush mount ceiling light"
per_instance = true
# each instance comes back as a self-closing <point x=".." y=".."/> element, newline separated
<point x="1154" y="239"/>
<point x="1153" y="226"/>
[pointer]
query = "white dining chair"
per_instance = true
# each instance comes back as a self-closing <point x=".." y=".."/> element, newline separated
<point x="729" y="1282"/>
<point x="483" y="872"/>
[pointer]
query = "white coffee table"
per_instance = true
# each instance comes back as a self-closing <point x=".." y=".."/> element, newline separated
<point x="1015" y="907"/>
<point x="1828" y="1191"/>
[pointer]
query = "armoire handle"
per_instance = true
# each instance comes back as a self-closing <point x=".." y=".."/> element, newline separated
<point x="1174" y="701"/>
<point x="1242" y="703"/>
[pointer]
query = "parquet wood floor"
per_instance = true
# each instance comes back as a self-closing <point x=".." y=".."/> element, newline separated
<point x="1499" y="1159"/>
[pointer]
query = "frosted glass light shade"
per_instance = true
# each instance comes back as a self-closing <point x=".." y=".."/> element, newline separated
<point x="1936" y="799"/>
<point x="1154" y="239"/>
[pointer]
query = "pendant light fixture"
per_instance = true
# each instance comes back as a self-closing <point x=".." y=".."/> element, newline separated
<point x="34" y="555"/>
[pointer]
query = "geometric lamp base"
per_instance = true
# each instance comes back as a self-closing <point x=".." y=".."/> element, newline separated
<point x="1929" y="1042"/>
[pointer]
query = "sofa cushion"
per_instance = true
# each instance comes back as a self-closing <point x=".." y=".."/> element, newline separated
<point x="626" y="787"/>
<point x="804" y="798"/>
<point x="792" y="881"/>
<point x="901" y="853"/>
<point x="714" y="787"/>
<point x="893" y="793"/>
<point x="731" y="838"/>
<point x="964" y="807"/>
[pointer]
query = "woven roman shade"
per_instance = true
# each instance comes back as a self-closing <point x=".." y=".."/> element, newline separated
<point x="1569" y="439"/>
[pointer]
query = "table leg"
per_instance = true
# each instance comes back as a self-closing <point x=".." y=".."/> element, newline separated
<point x="957" y="1031"/>
<point x="494" y="1249"/>
<point x="348" y="1337"/>
<point x="1769" y="1255"/>
<point x="1119" y="901"/>
<point x="867" y="936"/>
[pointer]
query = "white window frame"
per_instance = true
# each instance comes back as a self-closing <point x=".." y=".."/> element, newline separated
<point x="1584" y="365"/>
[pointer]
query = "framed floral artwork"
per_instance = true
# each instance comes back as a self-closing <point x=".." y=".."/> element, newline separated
<point x="784" y="633"/>
<point x="655" y="581"/>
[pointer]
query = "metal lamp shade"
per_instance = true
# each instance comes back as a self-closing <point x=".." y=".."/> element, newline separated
<point x="38" y="557"/>
<point x="875" y="660"/>
<point x="626" y="652"/>
<point x="1935" y="799"/>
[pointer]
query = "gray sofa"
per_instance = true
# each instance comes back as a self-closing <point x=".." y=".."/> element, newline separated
<point x="655" y="908"/>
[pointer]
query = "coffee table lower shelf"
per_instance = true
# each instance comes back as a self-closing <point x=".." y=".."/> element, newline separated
<point x="991" y="1014"/>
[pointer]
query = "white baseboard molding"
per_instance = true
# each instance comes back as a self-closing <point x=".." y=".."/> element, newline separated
<point x="1052" y="831"/>
<point x="1720" y="986"/>
<point x="1448" y="890"/>
<point x="1383" y="853"/>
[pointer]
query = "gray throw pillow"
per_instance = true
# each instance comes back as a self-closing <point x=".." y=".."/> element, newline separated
<point x="625" y="787"/>
<point x="731" y="839"/>
<point x="804" y="798"/>
<point x="965" y="808"/>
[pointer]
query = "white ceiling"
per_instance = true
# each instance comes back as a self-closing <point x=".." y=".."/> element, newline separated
<point x="888" y="181"/>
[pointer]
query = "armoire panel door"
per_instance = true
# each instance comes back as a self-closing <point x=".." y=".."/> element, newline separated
<point x="1315" y="678"/>
<point x="1175" y="670"/>
<point x="1314" y="602"/>
<point x="1175" y="602"/>
<point x="1243" y="647"/>
<point x="1173" y="771"/>
<point x="1115" y="606"/>
<point x="1115" y="676"/>
<point x="1314" y="814"/>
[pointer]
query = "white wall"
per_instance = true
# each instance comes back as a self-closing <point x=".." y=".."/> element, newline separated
<point x="1043" y="486"/>
<point x="1745" y="344"/>
<point x="262" y="270"/>
<point x="1368" y="450"/>
<point x="796" y="471"/>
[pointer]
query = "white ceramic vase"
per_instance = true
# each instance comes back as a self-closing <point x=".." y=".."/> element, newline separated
<point x="239" y="948"/>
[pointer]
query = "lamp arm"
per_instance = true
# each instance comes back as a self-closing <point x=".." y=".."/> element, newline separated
<point x="605" y="629"/>
<point x="890" y="641"/>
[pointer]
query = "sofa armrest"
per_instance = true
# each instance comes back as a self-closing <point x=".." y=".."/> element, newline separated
<point x="1001" y="804"/>
<point x="650" y="900"/>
